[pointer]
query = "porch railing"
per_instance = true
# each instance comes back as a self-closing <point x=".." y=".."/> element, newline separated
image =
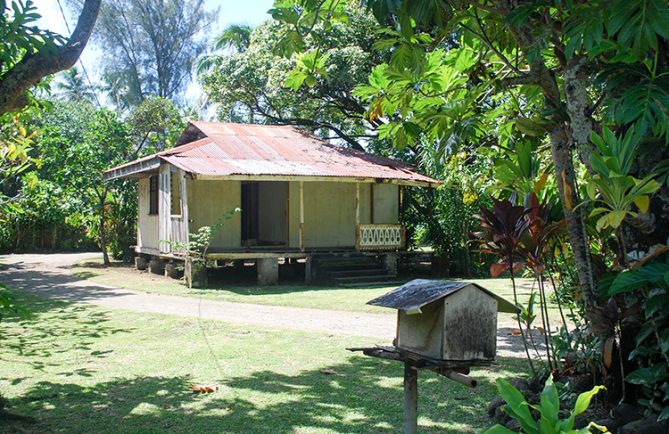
<point x="379" y="237"/>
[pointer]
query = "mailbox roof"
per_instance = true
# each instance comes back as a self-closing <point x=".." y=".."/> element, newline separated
<point x="417" y="293"/>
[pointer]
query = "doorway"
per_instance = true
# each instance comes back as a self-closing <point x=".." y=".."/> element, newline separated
<point x="264" y="213"/>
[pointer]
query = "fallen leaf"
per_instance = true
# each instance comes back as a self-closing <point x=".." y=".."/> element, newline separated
<point x="328" y="372"/>
<point x="515" y="332"/>
<point x="203" y="388"/>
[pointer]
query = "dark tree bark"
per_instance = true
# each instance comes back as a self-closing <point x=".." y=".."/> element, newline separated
<point x="33" y="67"/>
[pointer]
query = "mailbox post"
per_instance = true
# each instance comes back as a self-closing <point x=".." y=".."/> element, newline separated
<point x="444" y="326"/>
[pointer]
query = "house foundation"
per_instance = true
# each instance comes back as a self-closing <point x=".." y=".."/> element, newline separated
<point x="390" y="263"/>
<point x="268" y="271"/>
<point x="141" y="263"/>
<point x="156" y="266"/>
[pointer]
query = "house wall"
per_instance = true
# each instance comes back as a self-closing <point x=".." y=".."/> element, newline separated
<point x="329" y="211"/>
<point x="386" y="203"/>
<point x="207" y="201"/>
<point x="147" y="225"/>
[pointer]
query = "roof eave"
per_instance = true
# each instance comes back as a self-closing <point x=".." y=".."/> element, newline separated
<point x="240" y="177"/>
<point x="131" y="170"/>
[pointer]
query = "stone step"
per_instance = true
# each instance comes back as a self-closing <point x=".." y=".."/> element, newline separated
<point x="362" y="272"/>
<point x="363" y="279"/>
<point x="390" y="282"/>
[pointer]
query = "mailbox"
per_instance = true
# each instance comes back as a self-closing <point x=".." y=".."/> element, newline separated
<point x="446" y="320"/>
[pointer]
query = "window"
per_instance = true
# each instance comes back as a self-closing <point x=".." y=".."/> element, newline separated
<point x="153" y="194"/>
<point x="176" y="193"/>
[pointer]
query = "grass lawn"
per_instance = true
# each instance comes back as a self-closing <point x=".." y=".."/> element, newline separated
<point x="296" y="295"/>
<point x="82" y="369"/>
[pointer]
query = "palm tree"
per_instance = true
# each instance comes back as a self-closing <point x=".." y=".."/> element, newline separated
<point x="73" y="87"/>
<point x="235" y="38"/>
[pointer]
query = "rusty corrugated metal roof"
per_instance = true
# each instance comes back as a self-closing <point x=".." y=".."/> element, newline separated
<point x="228" y="149"/>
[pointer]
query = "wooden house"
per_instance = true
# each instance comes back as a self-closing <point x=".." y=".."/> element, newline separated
<point x="444" y="320"/>
<point x="298" y="195"/>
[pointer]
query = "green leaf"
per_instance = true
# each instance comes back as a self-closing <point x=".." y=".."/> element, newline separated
<point x="499" y="429"/>
<point x="550" y="407"/>
<point x="517" y="407"/>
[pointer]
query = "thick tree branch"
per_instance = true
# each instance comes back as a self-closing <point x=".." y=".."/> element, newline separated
<point x="34" y="66"/>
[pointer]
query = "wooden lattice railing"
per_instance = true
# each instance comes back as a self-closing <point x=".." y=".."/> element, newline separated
<point x="379" y="237"/>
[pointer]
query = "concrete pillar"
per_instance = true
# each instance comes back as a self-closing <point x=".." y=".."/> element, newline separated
<point x="172" y="270"/>
<point x="157" y="266"/>
<point x="390" y="263"/>
<point x="308" y="270"/>
<point x="268" y="271"/>
<point x="140" y="263"/>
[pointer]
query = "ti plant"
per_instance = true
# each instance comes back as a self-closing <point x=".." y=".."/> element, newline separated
<point x="522" y="236"/>
<point x="502" y="229"/>
<point x="548" y="409"/>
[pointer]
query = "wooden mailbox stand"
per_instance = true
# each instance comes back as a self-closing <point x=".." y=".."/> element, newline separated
<point x="443" y="326"/>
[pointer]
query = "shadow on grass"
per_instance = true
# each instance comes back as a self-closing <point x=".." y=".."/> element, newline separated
<point x="365" y="395"/>
<point x="37" y="334"/>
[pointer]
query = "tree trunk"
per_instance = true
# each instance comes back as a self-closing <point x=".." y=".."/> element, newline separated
<point x="575" y="218"/>
<point x="103" y="236"/>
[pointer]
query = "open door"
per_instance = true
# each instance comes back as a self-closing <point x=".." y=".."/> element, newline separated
<point x="264" y="213"/>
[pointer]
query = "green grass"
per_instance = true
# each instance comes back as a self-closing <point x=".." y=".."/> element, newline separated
<point x="82" y="369"/>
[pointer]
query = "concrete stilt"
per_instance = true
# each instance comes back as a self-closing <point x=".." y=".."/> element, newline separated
<point x="141" y="263"/>
<point x="268" y="271"/>
<point x="308" y="270"/>
<point x="390" y="263"/>
<point x="172" y="270"/>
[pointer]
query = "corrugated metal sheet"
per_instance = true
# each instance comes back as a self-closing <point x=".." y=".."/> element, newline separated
<point x="417" y="293"/>
<point x="227" y="149"/>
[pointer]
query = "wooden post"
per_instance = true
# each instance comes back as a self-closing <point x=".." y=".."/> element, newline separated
<point x="357" y="204"/>
<point x="185" y="226"/>
<point x="410" y="399"/>
<point x="164" y="207"/>
<point x="371" y="203"/>
<point x="302" y="216"/>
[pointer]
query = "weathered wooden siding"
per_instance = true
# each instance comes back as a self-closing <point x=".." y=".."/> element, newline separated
<point x="207" y="201"/>
<point x="470" y="325"/>
<point x="386" y="204"/>
<point x="329" y="213"/>
<point x="147" y="227"/>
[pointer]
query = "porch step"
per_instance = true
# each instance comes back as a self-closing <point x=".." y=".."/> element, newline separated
<point x="380" y="271"/>
<point x="364" y="279"/>
<point x="352" y="269"/>
<point x="369" y="284"/>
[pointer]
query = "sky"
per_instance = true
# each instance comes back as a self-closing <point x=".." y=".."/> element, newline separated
<point x="251" y="12"/>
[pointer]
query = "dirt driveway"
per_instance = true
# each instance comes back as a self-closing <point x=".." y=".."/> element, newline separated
<point x="48" y="275"/>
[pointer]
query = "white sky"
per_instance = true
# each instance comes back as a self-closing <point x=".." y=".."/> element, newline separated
<point x="251" y="12"/>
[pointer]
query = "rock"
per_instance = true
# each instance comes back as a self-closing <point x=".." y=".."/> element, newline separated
<point x="513" y="425"/>
<point x="609" y="423"/>
<point x="522" y="385"/>
<point x="501" y="417"/>
<point x="580" y="421"/>
<point x="625" y="413"/>
<point x="647" y="425"/>
<point x="496" y="402"/>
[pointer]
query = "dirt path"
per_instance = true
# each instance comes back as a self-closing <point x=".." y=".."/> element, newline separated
<point x="49" y="276"/>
